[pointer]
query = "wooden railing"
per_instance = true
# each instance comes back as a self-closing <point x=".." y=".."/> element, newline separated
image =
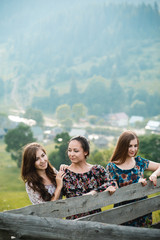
<point x="46" y="220"/>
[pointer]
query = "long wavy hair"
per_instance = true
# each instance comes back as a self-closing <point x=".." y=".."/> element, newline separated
<point x="29" y="173"/>
<point x="121" y="150"/>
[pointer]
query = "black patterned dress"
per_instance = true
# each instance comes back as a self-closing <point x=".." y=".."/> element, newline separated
<point x="77" y="184"/>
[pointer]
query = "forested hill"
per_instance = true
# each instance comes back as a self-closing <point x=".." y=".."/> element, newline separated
<point x="53" y="51"/>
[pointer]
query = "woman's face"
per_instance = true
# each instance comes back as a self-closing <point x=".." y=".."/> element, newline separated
<point x="75" y="152"/>
<point x="133" y="148"/>
<point x="41" y="162"/>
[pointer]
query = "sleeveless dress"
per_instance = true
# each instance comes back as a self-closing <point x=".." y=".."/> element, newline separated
<point x="125" y="177"/>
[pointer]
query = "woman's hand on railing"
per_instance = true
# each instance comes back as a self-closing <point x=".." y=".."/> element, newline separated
<point x="90" y="193"/>
<point x="143" y="181"/>
<point x="153" y="178"/>
<point x="110" y="189"/>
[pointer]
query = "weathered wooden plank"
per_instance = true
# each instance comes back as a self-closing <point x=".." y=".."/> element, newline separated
<point x="126" y="212"/>
<point x="33" y="227"/>
<point x="71" y="206"/>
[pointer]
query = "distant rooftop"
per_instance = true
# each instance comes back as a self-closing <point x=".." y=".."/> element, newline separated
<point x="153" y="125"/>
<point x="18" y="119"/>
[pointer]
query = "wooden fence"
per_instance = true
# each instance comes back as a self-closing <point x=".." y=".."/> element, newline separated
<point x="46" y="220"/>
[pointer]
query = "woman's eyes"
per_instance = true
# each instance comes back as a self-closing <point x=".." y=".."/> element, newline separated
<point x="43" y="155"/>
<point x="69" y="150"/>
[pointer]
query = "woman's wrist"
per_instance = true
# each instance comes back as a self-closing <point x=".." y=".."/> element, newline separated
<point x="59" y="187"/>
<point x="154" y="175"/>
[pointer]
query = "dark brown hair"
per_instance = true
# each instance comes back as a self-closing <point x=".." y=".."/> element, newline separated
<point x="29" y="173"/>
<point x="84" y="143"/>
<point x="121" y="150"/>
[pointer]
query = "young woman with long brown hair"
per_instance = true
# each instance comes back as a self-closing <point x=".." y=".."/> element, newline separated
<point x="42" y="181"/>
<point x="127" y="168"/>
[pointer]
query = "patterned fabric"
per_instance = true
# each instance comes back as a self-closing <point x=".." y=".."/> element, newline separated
<point x="129" y="176"/>
<point x="77" y="184"/>
<point x="35" y="196"/>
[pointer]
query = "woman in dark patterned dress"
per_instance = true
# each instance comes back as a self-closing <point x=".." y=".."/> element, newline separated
<point x="127" y="168"/>
<point x="82" y="178"/>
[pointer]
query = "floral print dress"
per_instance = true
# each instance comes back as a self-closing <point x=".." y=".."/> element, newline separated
<point x="125" y="177"/>
<point x="77" y="184"/>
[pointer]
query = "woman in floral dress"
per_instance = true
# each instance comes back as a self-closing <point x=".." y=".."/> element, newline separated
<point x="127" y="168"/>
<point x="82" y="178"/>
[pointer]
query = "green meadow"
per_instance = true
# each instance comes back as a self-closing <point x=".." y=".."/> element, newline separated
<point x="12" y="189"/>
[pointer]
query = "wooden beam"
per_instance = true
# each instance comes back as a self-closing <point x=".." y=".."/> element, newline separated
<point x="126" y="212"/>
<point x="33" y="227"/>
<point x="71" y="206"/>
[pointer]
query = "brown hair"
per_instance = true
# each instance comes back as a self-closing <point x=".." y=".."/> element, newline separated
<point x="121" y="149"/>
<point x="29" y="173"/>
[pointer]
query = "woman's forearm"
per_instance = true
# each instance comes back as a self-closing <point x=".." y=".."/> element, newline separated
<point x="154" y="175"/>
<point x="156" y="172"/>
<point x="57" y="194"/>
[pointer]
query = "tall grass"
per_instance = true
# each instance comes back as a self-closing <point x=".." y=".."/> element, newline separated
<point x="12" y="189"/>
<point x="12" y="200"/>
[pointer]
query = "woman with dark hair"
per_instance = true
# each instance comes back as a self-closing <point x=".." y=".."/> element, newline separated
<point x="43" y="182"/>
<point x="127" y="168"/>
<point x="81" y="177"/>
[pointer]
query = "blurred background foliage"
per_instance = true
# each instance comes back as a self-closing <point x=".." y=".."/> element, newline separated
<point x="102" y="54"/>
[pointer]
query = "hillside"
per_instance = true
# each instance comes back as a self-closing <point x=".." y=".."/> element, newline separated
<point x="50" y="44"/>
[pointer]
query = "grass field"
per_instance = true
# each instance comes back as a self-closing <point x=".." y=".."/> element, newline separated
<point x="12" y="189"/>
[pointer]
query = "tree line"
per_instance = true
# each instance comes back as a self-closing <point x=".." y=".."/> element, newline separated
<point x="101" y="100"/>
<point x="17" y="138"/>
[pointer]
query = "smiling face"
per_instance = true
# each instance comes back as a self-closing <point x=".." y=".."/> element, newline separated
<point x="75" y="152"/>
<point x="133" y="148"/>
<point x="41" y="162"/>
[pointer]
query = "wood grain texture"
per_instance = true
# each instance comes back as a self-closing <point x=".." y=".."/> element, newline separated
<point x="126" y="212"/>
<point x="71" y="206"/>
<point x="33" y="227"/>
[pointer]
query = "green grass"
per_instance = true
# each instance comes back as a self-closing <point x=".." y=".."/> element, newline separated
<point x="9" y="173"/>
<point x="12" y="190"/>
<point x="10" y="180"/>
<point x="13" y="200"/>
